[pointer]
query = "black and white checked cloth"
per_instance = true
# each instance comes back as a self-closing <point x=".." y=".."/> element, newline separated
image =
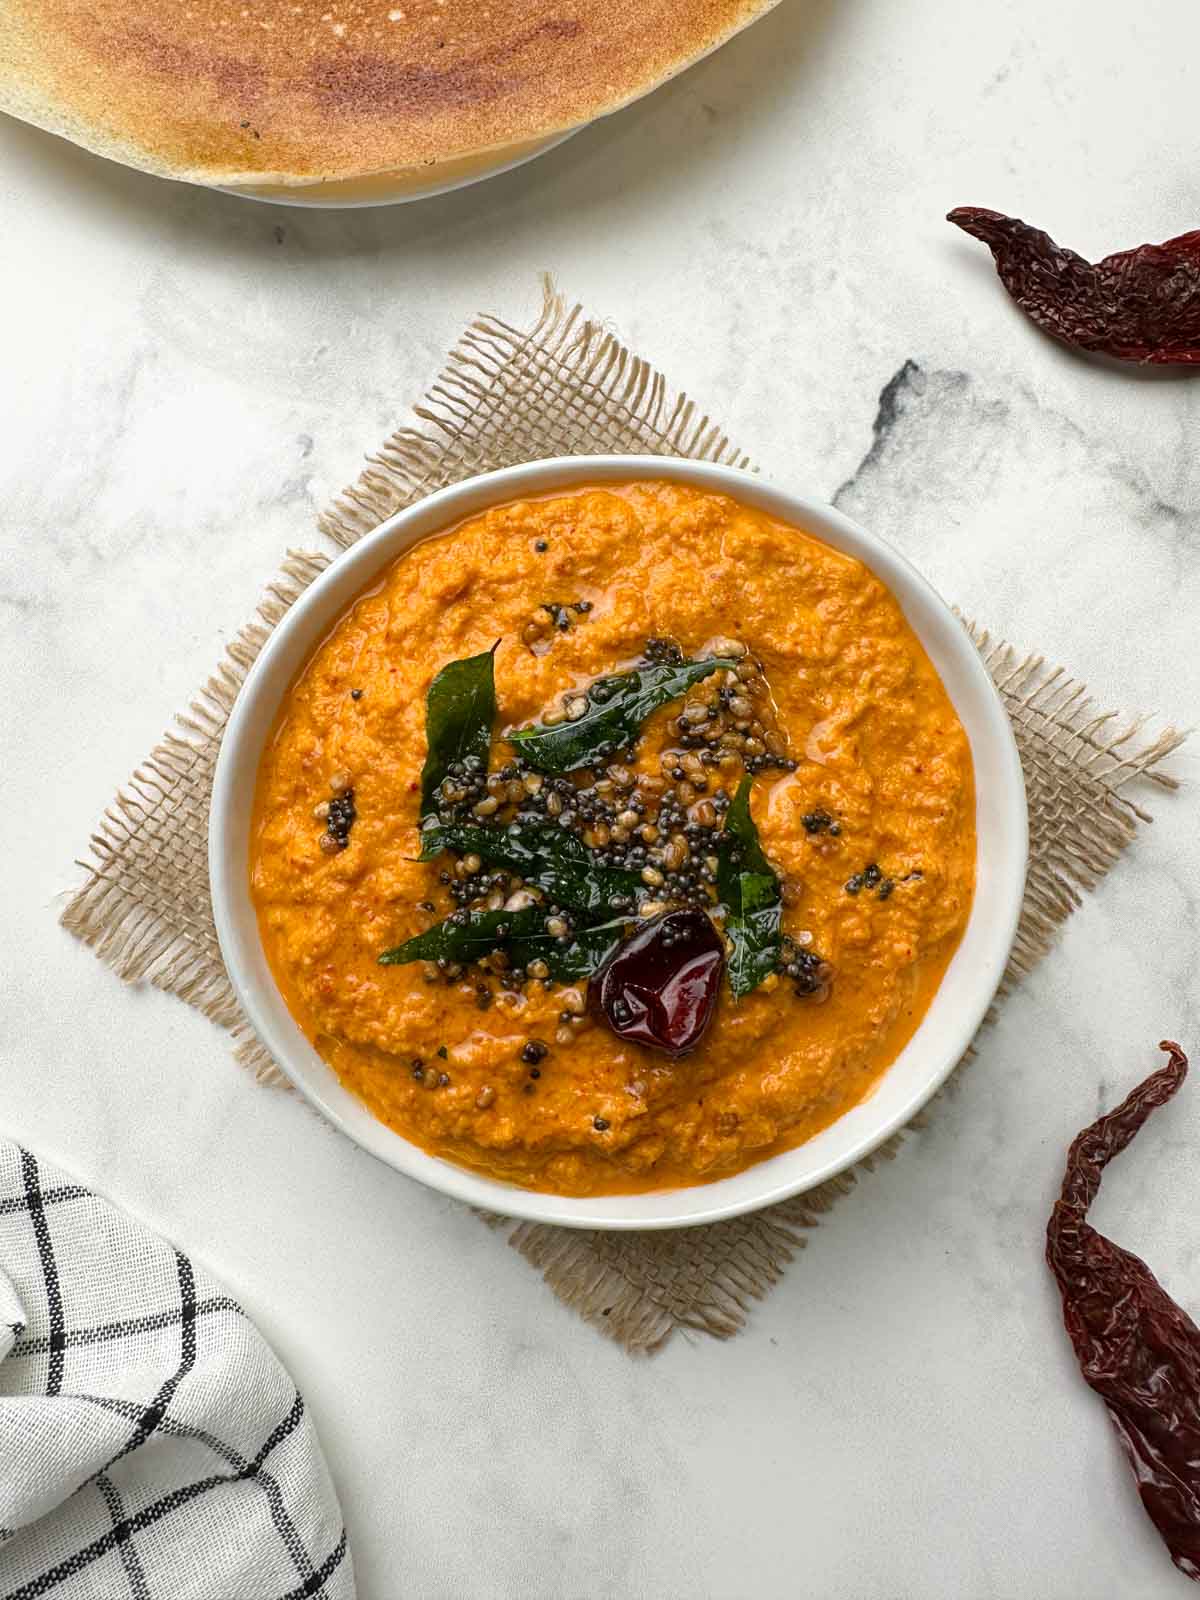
<point x="151" y="1445"/>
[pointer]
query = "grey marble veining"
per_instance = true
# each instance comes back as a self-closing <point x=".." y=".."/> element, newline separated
<point x="187" y="378"/>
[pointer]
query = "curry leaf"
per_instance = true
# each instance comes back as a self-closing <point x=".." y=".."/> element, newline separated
<point x="741" y="831"/>
<point x="750" y="890"/>
<point x="584" y="952"/>
<point x="546" y="856"/>
<point x="467" y="938"/>
<point x="520" y="934"/>
<point x="617" y="706"/>
<point x="753" y="926"/>
<point x="460" y="709"/>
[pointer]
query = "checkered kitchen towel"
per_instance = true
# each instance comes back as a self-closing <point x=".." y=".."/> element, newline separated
<point x="151" y="1445"/>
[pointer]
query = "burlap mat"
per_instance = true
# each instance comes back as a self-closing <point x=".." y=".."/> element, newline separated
<point x="569" y="387"/>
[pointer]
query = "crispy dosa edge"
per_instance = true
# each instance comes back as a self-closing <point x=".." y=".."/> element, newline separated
<point x="61" y="89"/>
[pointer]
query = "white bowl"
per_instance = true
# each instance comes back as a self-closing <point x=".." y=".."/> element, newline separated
<point x="921" y="1067"/>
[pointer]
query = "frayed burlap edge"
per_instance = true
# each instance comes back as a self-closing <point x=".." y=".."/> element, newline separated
<point x="568" y="386"/>
<point x="618" y="402"/>
<point x="117" y="912"/>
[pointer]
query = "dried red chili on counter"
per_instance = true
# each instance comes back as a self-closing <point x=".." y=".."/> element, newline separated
<point x="660" y="987"/>
<point x="1136" y="1347"/>
<point x="1137" y="305"/>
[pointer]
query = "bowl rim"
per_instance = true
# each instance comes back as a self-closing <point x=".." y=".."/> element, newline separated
<point x="768" y="1181"/>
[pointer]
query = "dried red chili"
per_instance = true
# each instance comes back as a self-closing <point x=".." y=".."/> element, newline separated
<point x="1136" y="1347"/>
<point x="1137" y="305"/>
<point x="660" y="987"/>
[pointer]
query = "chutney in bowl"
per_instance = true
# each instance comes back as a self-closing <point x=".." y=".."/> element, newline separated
<point x="695" y="703"/>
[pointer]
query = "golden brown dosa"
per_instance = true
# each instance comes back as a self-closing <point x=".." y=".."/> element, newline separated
<point x="248" y="92"/>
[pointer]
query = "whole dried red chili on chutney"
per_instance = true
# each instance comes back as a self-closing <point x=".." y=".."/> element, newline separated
<point x="1137" y="305"/>
<point x="1136" y="1347"/>
<point x="660" y="987"/>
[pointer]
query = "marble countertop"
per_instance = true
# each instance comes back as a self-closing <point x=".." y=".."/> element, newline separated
<point x="187" y="378"/>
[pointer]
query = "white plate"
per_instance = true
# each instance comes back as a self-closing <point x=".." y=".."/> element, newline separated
<point x="922" y="1066"/>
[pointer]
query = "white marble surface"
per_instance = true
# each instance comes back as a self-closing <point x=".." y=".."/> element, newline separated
<point x="186" y="378"/>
